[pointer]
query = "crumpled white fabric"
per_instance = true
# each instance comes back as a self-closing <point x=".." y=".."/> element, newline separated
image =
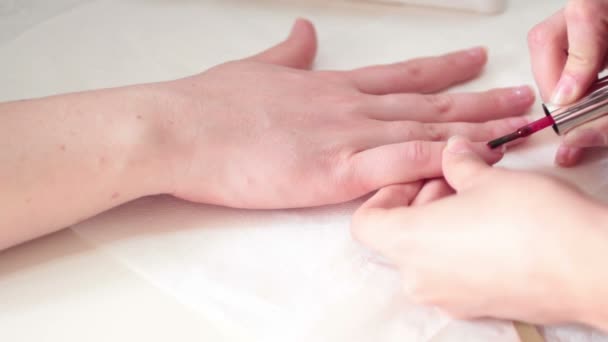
<point x="292" y="275"/>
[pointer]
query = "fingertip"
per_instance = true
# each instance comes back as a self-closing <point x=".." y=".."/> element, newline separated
<point x="487" y="154"/>
<point x="459" y="145"/>
<point x="303" y="21"/>
<point x="547" y="42"/>
<point x="478" y="54"/>
<point x="302" y="25"/>
<point x="513" y="102"/>
<point x="585" y="137"/>
<point x="462" y="161"/>
<point x="475" y="61"/>
<point x="586" y="54"/>
<point x="567" y="89"/>
<point x="490" y="156"/>
<point x="524" y="96"/>
<point x="567" y="156"/>
<point x="304" y="30"/>
<point x="297" y="51"/>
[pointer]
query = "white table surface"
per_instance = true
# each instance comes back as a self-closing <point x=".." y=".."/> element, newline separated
<point x="161" y="269"/>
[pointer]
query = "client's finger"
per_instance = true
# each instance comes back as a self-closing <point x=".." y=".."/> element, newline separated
<point x="467" y="107"/>
<point x="426" y="75"/>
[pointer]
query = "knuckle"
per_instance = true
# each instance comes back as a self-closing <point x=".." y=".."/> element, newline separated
<point x="341" y="161"/>
<point x="400" y="131"/>
<point x="418" y="152"/>
<point x="352" y="174"/>
<point x="435" y="132"/>
<point x="351" y="104"/>
<point x="342" y="105"/>
<point x="391" y="101"/>
<point x="442" y="103"/>
<point x="413" y="69"/>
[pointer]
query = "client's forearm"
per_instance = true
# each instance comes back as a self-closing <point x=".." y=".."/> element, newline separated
<point x="66" y="158"/>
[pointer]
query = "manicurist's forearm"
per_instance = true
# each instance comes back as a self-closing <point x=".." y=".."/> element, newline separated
<point x="590" y="273"/>
<point x="66" y="158"/>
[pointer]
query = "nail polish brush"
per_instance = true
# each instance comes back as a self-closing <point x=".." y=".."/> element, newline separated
<point x="565" y="118"/>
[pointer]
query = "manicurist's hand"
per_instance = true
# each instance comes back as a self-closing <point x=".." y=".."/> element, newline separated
<point x="568" y="50"/>
<point x="493" y="243"/>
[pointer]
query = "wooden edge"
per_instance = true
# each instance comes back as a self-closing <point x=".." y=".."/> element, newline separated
<point x="528" y="333"/>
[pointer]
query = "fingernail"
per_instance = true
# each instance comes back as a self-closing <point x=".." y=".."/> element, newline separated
<point x="565" y="90"/>
<point x="585" y="138"/>
<point x="458" y="145"/>
<point x="565" y="155"/>
<point x="521" y="96"/>
<point x="477" y="53"/>
<point x="296" y="24"/>
<point x="518" y="122"/>
<point x="294" y="27"/>
<point x="562" y="155"/>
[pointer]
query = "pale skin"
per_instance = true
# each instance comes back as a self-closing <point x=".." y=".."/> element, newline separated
<point x="262" y="132"/>
<point x="488" y="242"/>
<point x="219" y="137"/>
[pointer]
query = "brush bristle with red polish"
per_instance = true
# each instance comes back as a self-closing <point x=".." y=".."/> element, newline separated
<point x="522" y="132"/>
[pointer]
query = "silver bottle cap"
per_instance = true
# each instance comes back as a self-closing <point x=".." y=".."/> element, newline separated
<point x="590" y="107"/>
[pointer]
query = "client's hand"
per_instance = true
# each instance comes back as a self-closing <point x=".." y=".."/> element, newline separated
<point x="266" y="132"/>
<point x="508" y="244"/>
<point x="263" y="132"/>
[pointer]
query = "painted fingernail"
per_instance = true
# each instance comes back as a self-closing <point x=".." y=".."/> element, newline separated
<point x="477" y="53"/>
<point x="585" y="138"/>
<point x="565" y="90"/>
<point x="457" y="144"/>
<point x="521" y="96"/>
<point x="518" y="122"/>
